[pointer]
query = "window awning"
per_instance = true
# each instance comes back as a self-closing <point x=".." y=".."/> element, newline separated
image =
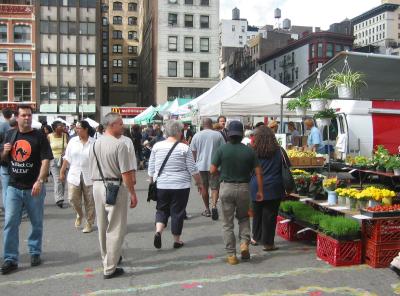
<point x="382" y="75"/>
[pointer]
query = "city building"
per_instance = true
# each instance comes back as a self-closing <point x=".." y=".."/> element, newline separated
<point x="378" y="28"/>
<point x="120" y="41"/>
<point x="180" y="49"/>
<point x="344" y="27"/>
<point x="68" y="39"/>
<point x="17" y="54"/>
<point x="296" y="61"/>
<point x="233" y="33"/>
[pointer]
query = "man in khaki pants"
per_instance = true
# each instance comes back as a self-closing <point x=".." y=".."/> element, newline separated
<point x="237" y="162"/>
<point x="117" y="165"/>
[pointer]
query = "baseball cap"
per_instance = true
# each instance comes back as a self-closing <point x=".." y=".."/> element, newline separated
<point x="235" y="128"/>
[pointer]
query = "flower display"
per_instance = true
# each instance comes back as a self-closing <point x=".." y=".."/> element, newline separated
<point x="331" y="184"/>
<point x="299" y="172"/>
<point x="376" y="194"/>
<point x="347" y="192"/>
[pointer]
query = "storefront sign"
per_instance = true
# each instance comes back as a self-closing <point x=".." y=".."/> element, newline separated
<point x="67" y="108"/>
<point x="13" y="106"/>
<point x="128" y="111"/>
<point x="48" y="108"/>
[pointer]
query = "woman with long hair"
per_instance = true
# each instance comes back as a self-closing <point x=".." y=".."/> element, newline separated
<point x="79" y="181"/>
<point x="270" y="155"/>
<point x="58" y="141"/>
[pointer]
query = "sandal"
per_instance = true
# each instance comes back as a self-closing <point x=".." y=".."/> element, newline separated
<point x="270" y="249"/>
<point x="178" y="245"/>
<point x="253" y="242"/>
<point x="206" y="213"/>
<point x="157" y="240"/>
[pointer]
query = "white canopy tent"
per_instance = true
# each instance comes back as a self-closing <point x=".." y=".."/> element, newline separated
<point x="91" y="122"/>
<point x="221" y="90"/>
<point x="50" y="122"/>
<point x="259" y="95"/>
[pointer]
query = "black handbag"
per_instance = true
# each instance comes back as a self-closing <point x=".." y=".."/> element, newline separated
<point x="287" y="178"/>
<point x="152" y="192"/>
<point x="111" y="188"/>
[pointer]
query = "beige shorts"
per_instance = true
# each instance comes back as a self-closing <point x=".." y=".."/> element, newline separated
<point x="210" y="181"/>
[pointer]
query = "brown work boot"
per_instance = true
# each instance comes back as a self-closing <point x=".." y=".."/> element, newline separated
<point x="232" y="260"/>
<point x="244" y="251"/>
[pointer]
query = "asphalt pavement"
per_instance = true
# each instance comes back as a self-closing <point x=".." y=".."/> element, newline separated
<point x="72" y="266"/>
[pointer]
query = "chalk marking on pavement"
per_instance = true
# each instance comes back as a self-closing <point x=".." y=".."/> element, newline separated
<point x="295" y="272"/>
<point x="205" y="261"/>
<point x="312" y="290"/>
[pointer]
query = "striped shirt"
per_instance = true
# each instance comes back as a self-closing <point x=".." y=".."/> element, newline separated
<point x="179" y="169"/>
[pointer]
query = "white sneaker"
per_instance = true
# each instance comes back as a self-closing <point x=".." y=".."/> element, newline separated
<point x="88" y="228"/>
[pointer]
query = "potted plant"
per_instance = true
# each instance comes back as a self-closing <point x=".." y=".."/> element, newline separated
<point x="396" y="165"/>
<point x="381" y="156"/>
<point x="347" y="83"/>
<point x="299" y="104"/>
<point x="340" y="228"/>
<point x="316" y="190"/>
<point x="324" y="117"/>
<point x="318" y="96"/>
<point x="302" y="183"/>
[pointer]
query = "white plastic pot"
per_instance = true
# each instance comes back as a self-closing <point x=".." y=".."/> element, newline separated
<point x="323" y="121"/>
<point x="300" y="111"/>
<point x="345" y="92"/>
<point x="396" y="172"/>
<point x="318" y="104"/>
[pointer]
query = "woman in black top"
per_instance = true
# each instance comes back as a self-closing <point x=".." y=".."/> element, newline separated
<point x="270" y="155"/>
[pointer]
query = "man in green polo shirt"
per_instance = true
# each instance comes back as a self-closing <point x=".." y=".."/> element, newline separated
<point x="237" y="163"/>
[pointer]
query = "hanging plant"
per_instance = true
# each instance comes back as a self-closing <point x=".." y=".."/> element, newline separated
<point x="346" y="83"/>
<point x="299" y="104"/>
<point x="318" y="96"/>
<point x="325" y="114"/>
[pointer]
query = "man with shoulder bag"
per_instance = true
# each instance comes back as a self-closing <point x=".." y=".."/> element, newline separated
<point x="112" y="170"/>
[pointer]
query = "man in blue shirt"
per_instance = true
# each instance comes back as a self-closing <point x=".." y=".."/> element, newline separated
<point x="314" y="140"/>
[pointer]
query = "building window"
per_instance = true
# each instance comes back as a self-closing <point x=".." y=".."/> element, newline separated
<point x="172" y="68"/>
<point x="189" y="2"/>
<point x="132" y="21"/>
<point x="188" y="20"/>
<point x="117" y="34"/>
<point x="3" y="61"/>
<point x="47" y="58"/>
<point x="204" y="21"/>
<point x="329" y="50"/>
<point x="117" y="6"/>
<point x="88" y="3"/>
<point x="188" y="69"/>
<point x="105" y="63"/>
<point x="22" y="34"/>
<point x="87" y="59"/>
<point x="117" y="48"/>
<point x="22" y="61"/>
<point x="132" y="63"/>
<point x="172" y="43"/>
<point x="70" y="3"/>
<point x="105" y="21"/>
<point x="132" y="6"/>
<point x="172" y="19"/>
<point x="3" y="90"/>
<point x="204" y="2"/>
<point x="117" y="20"/>
<point x="132" y="49"/>
<point x="105" y="78"/>
<point x="3" y="33"/>
<point x="22" y="91"/>
<point x="204" y="70"/>
<point x="132" y="35"/>
<point x="104" y="7"/>
<point x="117" y="78"/>
<point x="338" y="48"/>
<point x="320" y="50"/>
<point x="132" y="78"/>
<point x="105" y="49"/>
<point x="49" y="2"/>
<point x="105" y="35"/>
<point x="87" y="28"/>
<point x="188" y="43"/>
<point x="204" y="45"/>
<point x="67" y="59"/>
<point x="117" y="63"/>
<point x="68" y="28"/>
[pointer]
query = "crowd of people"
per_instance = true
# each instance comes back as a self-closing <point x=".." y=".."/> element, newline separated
<point x="98" y="168"/>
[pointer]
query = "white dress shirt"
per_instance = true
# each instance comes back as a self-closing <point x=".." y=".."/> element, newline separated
<point x="77" y="154"/>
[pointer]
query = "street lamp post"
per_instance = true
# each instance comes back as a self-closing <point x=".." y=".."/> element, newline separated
<point x="81" y="92"/>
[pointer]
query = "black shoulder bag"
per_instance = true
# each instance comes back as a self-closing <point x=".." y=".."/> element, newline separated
<point x="287" y="178"/>
<point x="152" y="193"/>
<point x="111" y="188"/>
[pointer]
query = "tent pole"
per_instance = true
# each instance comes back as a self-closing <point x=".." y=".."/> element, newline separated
<point x="281" y="125"/>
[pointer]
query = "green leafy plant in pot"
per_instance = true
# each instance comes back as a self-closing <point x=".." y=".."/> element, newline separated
<point x="381" y="156"/>
<point x="340" y="228"/>
<point x="325" y="117"/>
<point x="346" y="83"/>
<point x="393" y="165"/>
<point x="299" y="104"/>
<point x="318" y="96"/>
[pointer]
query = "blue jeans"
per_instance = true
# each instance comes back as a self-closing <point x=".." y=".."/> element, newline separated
<point x="16" y="199"/>
<point x="5" y="178"/>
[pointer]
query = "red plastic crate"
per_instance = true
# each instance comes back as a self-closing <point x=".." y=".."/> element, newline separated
<point x="288" y="231"/>
<point x="338" y="253"/>
<point x="381" y="231"/>
<point x="380" y="255"/>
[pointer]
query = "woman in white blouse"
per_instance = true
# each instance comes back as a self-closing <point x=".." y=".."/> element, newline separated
<point x="79" y="182"/>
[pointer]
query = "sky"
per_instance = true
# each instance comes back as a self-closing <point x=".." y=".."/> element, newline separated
<point x="316" y="13"/>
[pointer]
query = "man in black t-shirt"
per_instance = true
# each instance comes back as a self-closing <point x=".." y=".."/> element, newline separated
<point x="28" y="152"/>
